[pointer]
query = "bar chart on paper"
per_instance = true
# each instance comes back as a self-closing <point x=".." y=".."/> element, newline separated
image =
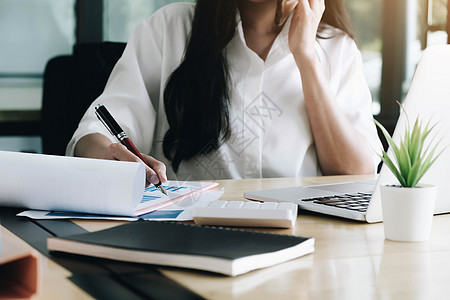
<point x="154" y="205"/>
<point x="177" y="192"/>
<point x="152" y="193"/>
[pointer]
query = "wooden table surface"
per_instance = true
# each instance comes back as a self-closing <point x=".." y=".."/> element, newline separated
<point x="352" y="260"/>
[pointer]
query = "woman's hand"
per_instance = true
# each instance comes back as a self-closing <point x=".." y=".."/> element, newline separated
<point x="304" y="26"/>
<point x="98" y="146"/>
<point x="155" y="170"/>
<point x="284" y="8"/>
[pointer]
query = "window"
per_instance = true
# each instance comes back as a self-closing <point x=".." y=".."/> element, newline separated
<point x="432" y="22"/>
<point x="120" y="17"/>
<point x="365" y="17"/>
<point x="32" y="32"/>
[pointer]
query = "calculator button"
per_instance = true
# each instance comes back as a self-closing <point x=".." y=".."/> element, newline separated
<point x="286" y="205"/>
<point x="217" y="203"/>
<point x="250" y="205"/>
<point x="269" y="205"/>
<point x="234" y="204"/>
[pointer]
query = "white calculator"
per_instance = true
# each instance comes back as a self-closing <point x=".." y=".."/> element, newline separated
<point x="246" y="213"/>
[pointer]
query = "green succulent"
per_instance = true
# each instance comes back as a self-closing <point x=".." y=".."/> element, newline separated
<point x="412" y="159"/>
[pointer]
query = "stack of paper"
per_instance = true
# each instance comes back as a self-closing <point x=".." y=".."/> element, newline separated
<point x="88" y="186"/>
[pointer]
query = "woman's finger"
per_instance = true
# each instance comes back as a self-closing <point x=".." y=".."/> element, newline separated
<point x="317" y="5"/>
<point x="158" y="167"/>
<point x="117" y="151"/>
<point x="284" y="8"/>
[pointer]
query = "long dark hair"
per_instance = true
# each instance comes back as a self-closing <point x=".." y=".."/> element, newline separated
<point x="196" y="97"/>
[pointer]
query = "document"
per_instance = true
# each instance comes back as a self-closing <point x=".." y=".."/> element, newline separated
<point x="83" y="185"/>
<point x="174" y="212"/>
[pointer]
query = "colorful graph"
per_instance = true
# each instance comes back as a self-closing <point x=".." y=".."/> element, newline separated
<point x="154" y="194"/>
<point x="168" y="188"/>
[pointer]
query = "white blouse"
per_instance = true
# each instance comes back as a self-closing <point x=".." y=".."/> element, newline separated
<point x="271" y="135"/>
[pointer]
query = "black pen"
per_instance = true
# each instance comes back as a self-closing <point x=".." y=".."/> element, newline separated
<point x="105" y="117"/>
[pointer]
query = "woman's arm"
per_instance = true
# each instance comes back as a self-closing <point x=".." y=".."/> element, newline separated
<point x="132" y="95"/>
<point x="92" y="145"/>
<point x="97" y="145"/>
<point x="340" y="148"/>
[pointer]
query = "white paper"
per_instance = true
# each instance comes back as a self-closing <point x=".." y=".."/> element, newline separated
<point x="177" y="212"/>
<point x="182" y="211"/>
<point x="177" y="192"/>
<point x="61" y="183"/>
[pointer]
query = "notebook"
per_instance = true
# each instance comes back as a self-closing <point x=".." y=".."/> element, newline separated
<point x="215" y="249"/>
<point x="428" y="98"/>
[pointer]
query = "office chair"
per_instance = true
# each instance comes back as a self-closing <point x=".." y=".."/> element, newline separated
<point x="71" y="83"/>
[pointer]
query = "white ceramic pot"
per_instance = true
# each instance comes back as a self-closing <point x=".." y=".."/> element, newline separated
<point x="408" y="212"/>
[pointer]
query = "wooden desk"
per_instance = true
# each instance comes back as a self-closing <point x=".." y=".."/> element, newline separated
<point x="54" y="282"/>
<point x="352" y="260"/>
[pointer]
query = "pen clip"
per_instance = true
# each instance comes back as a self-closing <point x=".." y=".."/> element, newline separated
<point x="101" y="119"/>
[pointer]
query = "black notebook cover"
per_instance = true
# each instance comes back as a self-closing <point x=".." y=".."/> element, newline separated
<point x="214" y="249"/>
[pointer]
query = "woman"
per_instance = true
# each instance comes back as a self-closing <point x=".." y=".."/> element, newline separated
<point x="239" y="89"/>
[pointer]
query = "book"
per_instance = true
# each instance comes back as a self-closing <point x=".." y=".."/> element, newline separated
<point x="92" y="186"/>
<point x="215" y="249"/>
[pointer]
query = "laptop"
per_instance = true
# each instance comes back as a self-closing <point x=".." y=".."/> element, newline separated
<point x="428" y="97"/>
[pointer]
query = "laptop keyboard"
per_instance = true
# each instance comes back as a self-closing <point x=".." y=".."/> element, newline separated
<point x="356" y="202"/>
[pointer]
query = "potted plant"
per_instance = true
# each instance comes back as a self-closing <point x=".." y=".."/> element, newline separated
<point x="408" y="207"/>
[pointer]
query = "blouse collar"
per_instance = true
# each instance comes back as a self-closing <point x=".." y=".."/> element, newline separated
<point x="281" y="41"/>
